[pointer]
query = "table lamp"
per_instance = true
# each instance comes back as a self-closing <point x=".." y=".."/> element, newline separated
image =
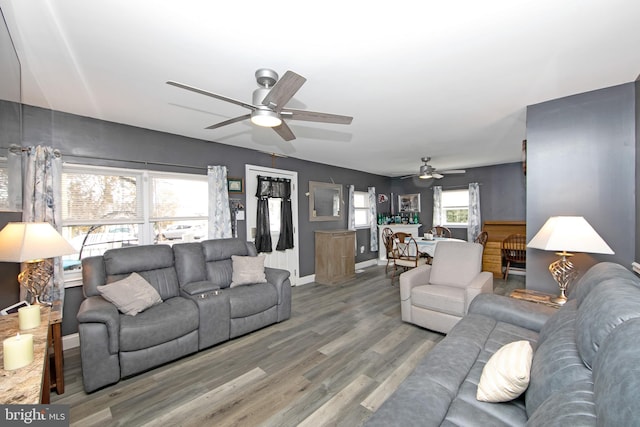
<point x="564" y="234"/>
<point x="33" y="243"/>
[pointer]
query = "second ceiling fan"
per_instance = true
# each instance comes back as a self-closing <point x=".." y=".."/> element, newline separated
<point x="268" y="107"/>
<point x="427" y="171"/>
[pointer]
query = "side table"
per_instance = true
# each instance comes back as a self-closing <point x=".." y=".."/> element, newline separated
<point x="534" y="296"/>
<point x="55" y="347"/>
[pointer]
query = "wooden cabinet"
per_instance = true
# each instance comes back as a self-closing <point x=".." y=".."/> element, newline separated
<point x="498" y="231"/>
<point x="335" y="256"/>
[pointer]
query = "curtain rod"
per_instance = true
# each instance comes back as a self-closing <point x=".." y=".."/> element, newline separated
<point x="16" y="149"/>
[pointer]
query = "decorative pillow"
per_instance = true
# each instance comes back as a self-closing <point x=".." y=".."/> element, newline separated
<point x="247" y="270"/>
<point x="131" y="295"/>
<point x="506" y="374"/>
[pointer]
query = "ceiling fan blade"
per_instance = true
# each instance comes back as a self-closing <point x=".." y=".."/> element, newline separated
<point x="436" y="175"/>
<point x="407" y="176"/>
<point x="211" y="94"/>
<point x="314" y="116"/>
<point x="228" y="122"/>
<point x="283" y="91"/>
<point x="284" y="131"/>
<point x="452" y="171"/>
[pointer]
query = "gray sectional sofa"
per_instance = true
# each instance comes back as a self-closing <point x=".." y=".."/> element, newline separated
<point x="198" y="309"/>
<point x="585" y="369"/>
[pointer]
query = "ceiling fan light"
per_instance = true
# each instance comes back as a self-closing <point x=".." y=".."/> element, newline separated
<point x="266" y="118"/>
<point x="425" y="176"/>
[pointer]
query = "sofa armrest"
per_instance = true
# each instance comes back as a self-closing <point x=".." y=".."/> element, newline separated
<point x="99" y="310"/>
<point x="481" y="284"/>
<point x="526" y="314"/>
<point x="276" y="276"/>
<point x="412" y="278"/>
<point x="198" y="288"/>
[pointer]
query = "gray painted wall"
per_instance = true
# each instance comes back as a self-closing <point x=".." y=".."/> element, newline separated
<point x="502" y="193"/>
<point x="95" y="142"/>
<point x="581" y="161"/>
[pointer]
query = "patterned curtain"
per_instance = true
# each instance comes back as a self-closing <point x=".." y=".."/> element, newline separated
<point x="351" y="215"/>
<point x="219" y="212"/>
<point x="437" y="205"/>
<point x="14" y="184"/>
<point x="475" y="223"/>
<point x="41" y="203"/>
<point x="373" y="215"/>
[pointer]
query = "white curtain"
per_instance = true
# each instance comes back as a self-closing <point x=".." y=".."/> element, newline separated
<point x="14" y="169"/>
<point x="351" y="215"/>
<point x="219" y="212"/>
<point x="373" y="218"/>
<point x="475" y="223"/>
<point x="42" y="198"/>
<point x="437" y="205"/>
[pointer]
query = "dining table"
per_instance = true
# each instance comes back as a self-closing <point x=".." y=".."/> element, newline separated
<point x="428" y="246"/>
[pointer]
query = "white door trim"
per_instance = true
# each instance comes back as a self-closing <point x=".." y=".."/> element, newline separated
<point x="251" y="173"/>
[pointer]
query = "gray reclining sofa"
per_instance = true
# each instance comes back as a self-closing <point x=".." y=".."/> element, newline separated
<point x="585" y="369"/>
<point x="198" y="309"/>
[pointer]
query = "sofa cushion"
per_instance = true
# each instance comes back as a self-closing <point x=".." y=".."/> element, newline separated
<point x="161" y="323"/>
<point x="556" y="362"/>
<point x="130" y="295"/>
<point x="252" y="299"/>
<point x="573" y="406"/>
<point x="247" y="270"/>
<point x="153" y="262"/>
<point x="190" y="264"/>
<point x="445" y="299"/>
<point x="506" y="374"/>
<point x="606" y="307"/>
<point x="456" y="263"/>
<point x="217" y="255"/>
<point x="596" y="275"/>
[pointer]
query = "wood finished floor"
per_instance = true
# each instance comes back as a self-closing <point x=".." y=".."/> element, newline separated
<point x="340" y="355"/>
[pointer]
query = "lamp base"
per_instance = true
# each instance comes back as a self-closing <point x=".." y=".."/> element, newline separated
<point x="563" y="271"/>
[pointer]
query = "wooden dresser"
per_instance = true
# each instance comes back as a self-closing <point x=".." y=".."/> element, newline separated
<point x="498" y="231"/>
<point x="335" y="256"/>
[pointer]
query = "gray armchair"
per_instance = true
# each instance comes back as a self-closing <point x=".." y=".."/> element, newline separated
<point x="437" y="296"/>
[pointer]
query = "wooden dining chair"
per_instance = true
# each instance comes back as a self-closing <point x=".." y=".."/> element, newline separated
<point x="406" y="255"/>
<point x="441" y="231"/>
<point x="514" y="250"/>
<point x="387" y="241"/>
<point x="482" y="238"/>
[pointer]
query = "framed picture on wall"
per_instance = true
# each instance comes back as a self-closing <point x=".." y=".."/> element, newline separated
<point x="235" y="185"/>
<point x="409" y="202"/>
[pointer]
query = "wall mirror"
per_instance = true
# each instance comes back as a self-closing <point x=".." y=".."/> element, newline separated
<point x="325" y="201"/>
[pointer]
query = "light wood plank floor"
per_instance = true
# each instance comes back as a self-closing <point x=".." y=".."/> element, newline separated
<point x="342" y="353"/>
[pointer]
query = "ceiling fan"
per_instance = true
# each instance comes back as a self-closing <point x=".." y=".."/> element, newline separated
<point x="269" y="100"/>
<point x="427" y="171"/>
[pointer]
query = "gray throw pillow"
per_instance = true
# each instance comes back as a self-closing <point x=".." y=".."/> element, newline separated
<point x="131" y="295"/>
<point x="247" y="270"/>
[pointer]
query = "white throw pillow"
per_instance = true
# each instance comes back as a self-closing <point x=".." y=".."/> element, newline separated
<point x="506" y="374"/>
<point x="247" y="270"/>
<point x="131" y="295"/>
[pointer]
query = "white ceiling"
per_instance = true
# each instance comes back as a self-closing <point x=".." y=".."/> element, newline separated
<point x="448" y="79"/>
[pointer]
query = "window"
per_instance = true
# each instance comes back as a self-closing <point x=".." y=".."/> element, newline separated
<point x="362" y="211"/>
<point x="104" y="208"/>
<point x="455" y="207"/>
<point x="4" y="184"/>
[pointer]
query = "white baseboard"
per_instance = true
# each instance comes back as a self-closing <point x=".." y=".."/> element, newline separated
<point x="70" y="341"/>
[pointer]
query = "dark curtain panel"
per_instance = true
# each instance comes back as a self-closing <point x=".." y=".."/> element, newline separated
<point x="278" y="188"/>
<point x="286" y="217"/>
<point x="263" y="231"/>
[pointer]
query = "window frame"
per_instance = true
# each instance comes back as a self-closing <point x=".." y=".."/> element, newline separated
<point x="444" y="208"/>
<point x="366" y="208"/>
<point x="144" y="219"/>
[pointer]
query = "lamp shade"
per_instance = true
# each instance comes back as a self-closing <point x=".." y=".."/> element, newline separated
<point x="570" y="234"/>
<point x="29" y="241"/>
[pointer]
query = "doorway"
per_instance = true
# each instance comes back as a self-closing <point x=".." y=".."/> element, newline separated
<point x="288" y="259"/>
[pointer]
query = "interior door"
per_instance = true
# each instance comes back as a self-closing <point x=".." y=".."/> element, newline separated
<point x="288" y="259"/>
